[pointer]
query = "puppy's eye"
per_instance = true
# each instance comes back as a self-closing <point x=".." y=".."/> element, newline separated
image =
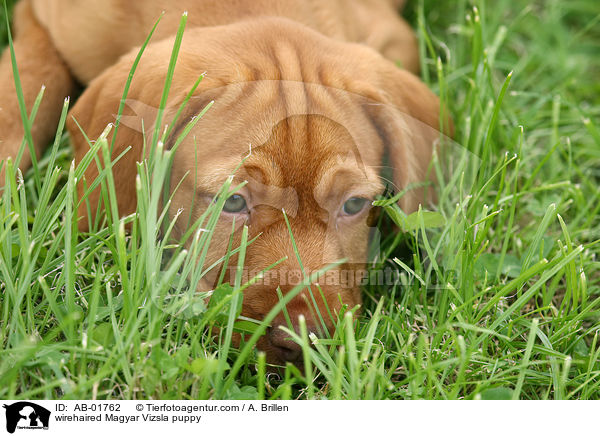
<point x="354" y="205"/>
<point x="235" y="204"/>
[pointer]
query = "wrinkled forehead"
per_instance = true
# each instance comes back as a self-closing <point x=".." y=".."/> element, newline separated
<point x="291" y="121"/>
<point x="302" y="149"/>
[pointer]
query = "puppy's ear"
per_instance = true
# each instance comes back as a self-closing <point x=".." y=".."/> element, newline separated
<point x="409" y="124"/>
<point x="97" y="107"/>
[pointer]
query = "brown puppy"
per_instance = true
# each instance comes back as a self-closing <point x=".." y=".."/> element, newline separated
<point x="302" y="83"/>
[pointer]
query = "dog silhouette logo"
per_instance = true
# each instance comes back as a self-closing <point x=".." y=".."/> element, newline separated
<point x="26" y="415"/>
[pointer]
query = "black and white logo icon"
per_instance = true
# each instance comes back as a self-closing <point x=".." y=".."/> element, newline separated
<point x="26" y="416"/>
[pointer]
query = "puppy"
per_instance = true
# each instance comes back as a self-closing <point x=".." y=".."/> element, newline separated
<point x="311" y="87"/>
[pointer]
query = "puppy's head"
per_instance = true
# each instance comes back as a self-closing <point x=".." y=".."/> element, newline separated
<point x="310" y="121"/>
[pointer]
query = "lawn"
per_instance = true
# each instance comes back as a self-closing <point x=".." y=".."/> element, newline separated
<point x="499" y="300"/>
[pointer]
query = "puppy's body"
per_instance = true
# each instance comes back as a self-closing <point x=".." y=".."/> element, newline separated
<point x="92" y="35"/>
<point x="303" y="83"/>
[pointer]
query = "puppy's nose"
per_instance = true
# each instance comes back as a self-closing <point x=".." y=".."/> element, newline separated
<point x="285" y="348"/>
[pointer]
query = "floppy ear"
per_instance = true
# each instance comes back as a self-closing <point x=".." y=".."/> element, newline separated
<point x="409" y="124"/>
<point x="97" y="107"/>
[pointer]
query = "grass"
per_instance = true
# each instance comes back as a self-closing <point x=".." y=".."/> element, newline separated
<point x="500" y="301"/>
